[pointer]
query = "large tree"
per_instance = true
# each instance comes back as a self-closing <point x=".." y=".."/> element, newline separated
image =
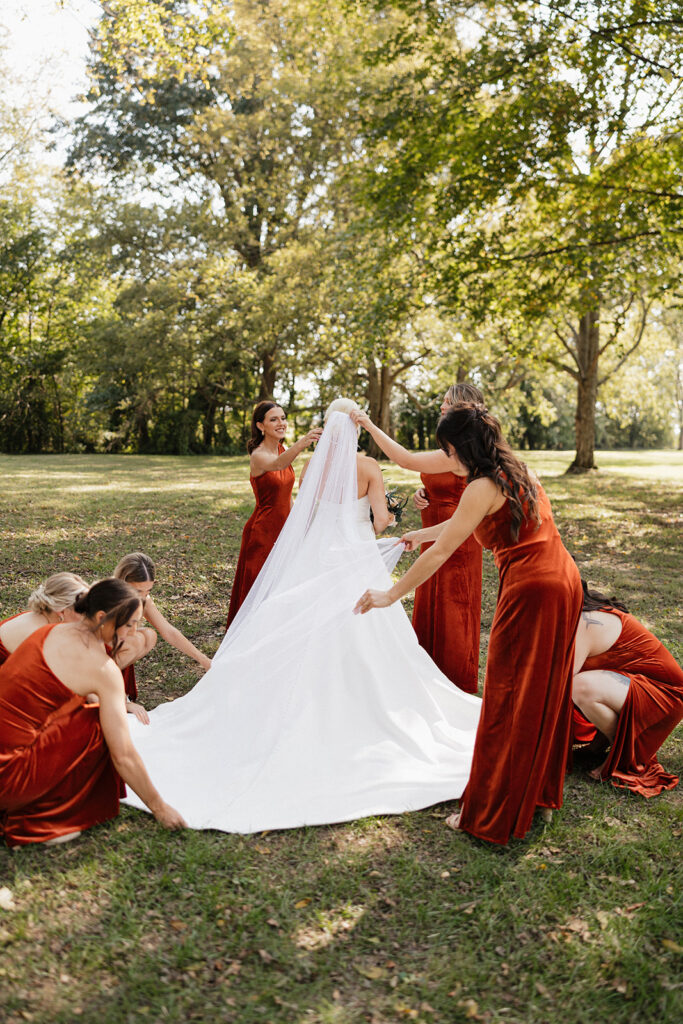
<point x="535" y="150"/>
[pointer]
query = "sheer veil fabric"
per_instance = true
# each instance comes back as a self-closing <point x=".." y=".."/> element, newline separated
<point x="310" y="714"/>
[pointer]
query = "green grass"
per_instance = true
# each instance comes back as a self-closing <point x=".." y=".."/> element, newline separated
<point x="381" y="920"/>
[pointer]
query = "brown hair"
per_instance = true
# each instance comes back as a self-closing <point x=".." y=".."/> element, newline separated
<point x="479" y="444"/>
<point x="594" y="601"/>
<point x="57" y="593"/>
<point x="113" y="597"/>
<point x="257" y="417"/>
<point x="135" y="568"/>
<point x="461" y="392"/>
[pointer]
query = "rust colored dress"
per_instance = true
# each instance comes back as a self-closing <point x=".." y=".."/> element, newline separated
<point x="522" y="743"/>
<point x="447" y="609"/>
<point x="56" y="774"/>
<point x="273" y="493"/>
<point x="652" y="709"/>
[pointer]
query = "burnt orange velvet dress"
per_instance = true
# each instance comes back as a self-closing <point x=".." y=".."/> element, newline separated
<point x="56" y="774"/>
<point x="652" y="709"/>
<point x="273" y="493"/>
<point x="447" y="609"/>
<point x="522" y="743"/>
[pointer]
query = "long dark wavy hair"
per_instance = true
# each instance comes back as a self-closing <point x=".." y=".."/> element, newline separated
<point x="478" y="441"/>
<point x="593" y="601"/>
<point x="257" y="417"/>
<point x="113" y="597"/>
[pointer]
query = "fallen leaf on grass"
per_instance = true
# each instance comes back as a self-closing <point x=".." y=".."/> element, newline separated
<point x="471" y="1008"/>
<point x="542" y="990"/>
<point x="672" y="946"/>
<point x="302" y="903"/>
<point x="6" y="899"/>
<point x="265" y="956"/>
<point x="373" y="973"/>
<point x="177" y="925"/>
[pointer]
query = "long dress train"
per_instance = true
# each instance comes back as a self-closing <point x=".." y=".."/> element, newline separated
<point x="447" y="608"/>
<point x="311" y="714"/>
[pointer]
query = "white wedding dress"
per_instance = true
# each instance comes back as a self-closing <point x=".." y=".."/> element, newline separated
<point x="311" y="714"/>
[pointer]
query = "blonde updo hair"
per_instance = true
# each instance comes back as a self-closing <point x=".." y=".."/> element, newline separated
<point x="57" y="593"/>
<point x="135" y="568"/>
<point x="346" y="405"/>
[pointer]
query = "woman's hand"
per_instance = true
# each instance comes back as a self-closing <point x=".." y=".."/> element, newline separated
<point x="205" y="662"/>
<point x="138" y="711"/>
<point x="361" y="419"/>
<point x="420" y="499"/>
<point x="412" y="540"/>
<point x="372" y="599"/>
<point x="311" y="437"/>
<point x="168" y="816"/>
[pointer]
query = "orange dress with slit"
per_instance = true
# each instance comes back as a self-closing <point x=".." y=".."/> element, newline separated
<point x="56" y="773"/>
<point x="447" y="608"/>
<point x="273" y="493"/>
<point x="652" y="709"/>
<point x="522" y="742"/>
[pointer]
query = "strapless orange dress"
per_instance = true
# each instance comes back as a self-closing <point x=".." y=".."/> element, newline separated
<point x="447" y="608"/>
<point x="652" y="709"/>
<point x="56" y="774"/>
<point x="273" y="493"/>
<point x="522" y="743"/>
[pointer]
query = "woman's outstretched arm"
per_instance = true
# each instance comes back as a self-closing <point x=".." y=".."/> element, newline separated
<point x="419" y="462"/>
<point x="479" y="499"/>
<point x="172" y="635"/>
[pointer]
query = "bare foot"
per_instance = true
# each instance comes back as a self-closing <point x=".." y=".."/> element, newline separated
<point x="66" y="838"/>
<point x="546" y="814"/>
<point x="596" y="773"/>
<point x="453" y="821"/>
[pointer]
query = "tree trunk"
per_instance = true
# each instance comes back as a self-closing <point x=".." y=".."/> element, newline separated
<point x="380" y="383"/>
<point x="587" y="350"/>
<point x="268" y="376"/>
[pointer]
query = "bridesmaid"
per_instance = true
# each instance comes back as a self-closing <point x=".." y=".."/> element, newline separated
<point x="630" y="690"/>
<point x="137" y="569"/>
<point x="272" y="479"/>
<point x="62" y="758"/>
<point x="447" y="608"/>
<point x="52" y="601"/>
<point x="522" y="743"/>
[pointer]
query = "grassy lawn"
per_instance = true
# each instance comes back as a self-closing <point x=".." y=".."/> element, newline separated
<point x="381" y="920"/>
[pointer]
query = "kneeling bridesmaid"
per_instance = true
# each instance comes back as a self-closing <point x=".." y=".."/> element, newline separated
<point x="52" y="601"/>
<point x="62" y="759"/>
<point x="628" y="689"/>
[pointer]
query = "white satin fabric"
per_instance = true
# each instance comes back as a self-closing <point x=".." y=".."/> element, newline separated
<point x="311" y="714"/>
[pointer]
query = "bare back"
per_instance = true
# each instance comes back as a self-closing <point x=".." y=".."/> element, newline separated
<point x="79" y="661"/>
<point x="16" y="630"/>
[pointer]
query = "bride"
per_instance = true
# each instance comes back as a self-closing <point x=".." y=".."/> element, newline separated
<point x="310" y="714"/>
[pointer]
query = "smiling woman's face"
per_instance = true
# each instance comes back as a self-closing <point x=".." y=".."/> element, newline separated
<point x="274" y="423"/>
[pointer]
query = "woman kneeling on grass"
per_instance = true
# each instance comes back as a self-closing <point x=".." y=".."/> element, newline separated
<point x="137" y="569"/>
<point x="629" y="692"/>
<point x="52" y="601"/>
<point x="63" y="758"/>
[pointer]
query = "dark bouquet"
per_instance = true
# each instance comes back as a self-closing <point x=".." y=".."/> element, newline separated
<point x="394" y="505"/>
